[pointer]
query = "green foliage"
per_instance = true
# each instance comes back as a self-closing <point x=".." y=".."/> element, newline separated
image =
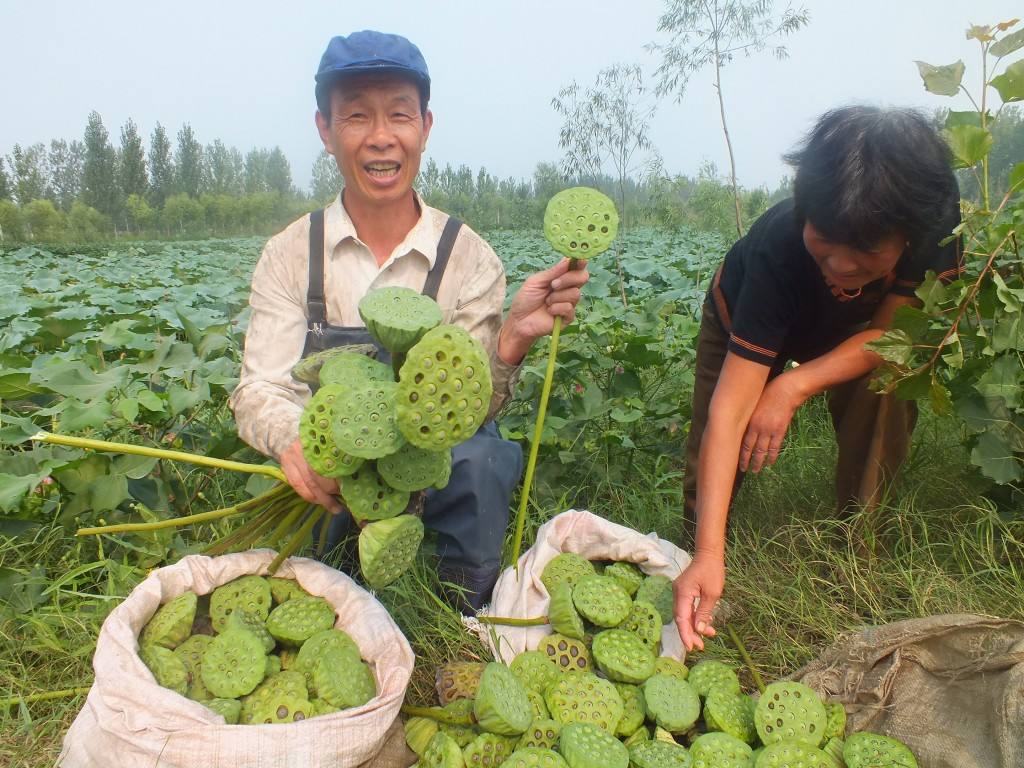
<point x="99" y="171"/>
<point x="963" y="351"/>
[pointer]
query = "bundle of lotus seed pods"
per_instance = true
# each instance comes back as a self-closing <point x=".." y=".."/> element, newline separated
<point x="256" y="650"/>
<point x="596" y="694"/>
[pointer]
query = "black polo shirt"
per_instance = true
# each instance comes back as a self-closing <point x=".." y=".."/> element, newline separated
<point x="782" y="308"/>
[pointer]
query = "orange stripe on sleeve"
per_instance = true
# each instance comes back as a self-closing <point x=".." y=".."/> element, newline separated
<point x="753" y="347"/>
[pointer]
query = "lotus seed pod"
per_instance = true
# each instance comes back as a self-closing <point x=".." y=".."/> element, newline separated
<point x="720" y="750"/>
<point x="793" y="754"/>
<point x="585" y="698"/>
<point x="657" y="590"/>
<point x="398" y="317"/>
<point x="731" y="713"/>
<point x="229" y="709"/>
<point x="369" y="498"/>
<point x="296" y="621"/>
<point x="247" y="593"/>
<point x="171" y="623"/>
<point x="414" y="469"/>
<point x="312" y="649"/>
<point x="191" y="654"/>
<point x="622" y="657"/>
<point x="442" y="752"/>
<point x="288" y="657"/>
<point x="627" y="574"/>
<point x="501" y="704"/>
<point x="634" y="709"/>
<point x="640" y="734"/>
<point x="672" y="703"/>
<point x="316" y="435"/>
<point x="387" y="549"/>
<point x="660" y="734"/>
<point x="538" y="709"/>
<point x="580" y="222"/>
<point x="644" y="621"/>
<point x="307" y="370"/>
<point x="320" y="707"/>
<point x="458" y="680"/>
<point x="790" y="711"/>
<point x="487" y="749"/>
<point x="283" y="709"/>
<point x="444" y="389"/>
<point x="666" y="665"/>
<point x="659" y="754"/>
<point x="586" y="746"/>
<point x="562" y="614"/>
<point x="535" y="670"/>
<point x="541" y="733"/>
<point x="233" y="664"/>
<point x="867" y="750"/>
<point x="835" y="723"/>
<point x="568" y="654"/>
<point x="535" y="757"/>
<point x="283" y="590"/>
<point x="343" y="680"/>
<point x="418" y="733"/>
<point x="568" y="567"/>
<point x="601" y="601"/>
<point x="834" y="749"/>
<point x="705" y="675"/>
<point x="462" y="734"/>
<point x="250" y="622"/>
<point x="363" y="420"/>
<point x="346" y="369"/>
<point x="168" y="669"/>
<point x="283" y="684"/>
<point x="273" y="666"/>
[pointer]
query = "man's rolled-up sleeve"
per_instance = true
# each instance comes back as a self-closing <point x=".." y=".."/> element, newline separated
<point x="268" y="401"/>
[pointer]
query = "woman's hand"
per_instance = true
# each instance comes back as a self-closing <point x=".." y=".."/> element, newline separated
<point x="769" y="423"/>
<point x="314" y="488"/>
<point x="702" y="583"/>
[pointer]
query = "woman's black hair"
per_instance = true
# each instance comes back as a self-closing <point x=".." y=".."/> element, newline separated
<point x="864" y="173"/>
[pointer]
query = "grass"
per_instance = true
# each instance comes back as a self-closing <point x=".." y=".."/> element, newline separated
<point x="797" y="577"/>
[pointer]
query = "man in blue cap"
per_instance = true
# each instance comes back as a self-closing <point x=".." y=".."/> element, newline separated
<point x="372" y="91"/>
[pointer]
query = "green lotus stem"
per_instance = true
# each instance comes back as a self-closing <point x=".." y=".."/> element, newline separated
<point x="160" y="453"/>
<point x="67" y="693"/>
<point x="321" y="543"/>
<point x="538" y="429"/>
<point x="177" y="522"/>
<point x="439" y="714"/>
<point x="247" y="534"/>
<point x="299" y="537"/>
<point x="286" y="523"/>
<point x="758" y="680"/>
<point x="511" y="621"/>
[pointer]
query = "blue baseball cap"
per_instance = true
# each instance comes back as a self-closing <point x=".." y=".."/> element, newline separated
<point x="368" y="52"/>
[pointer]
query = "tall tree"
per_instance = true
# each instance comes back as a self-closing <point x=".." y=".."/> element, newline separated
<point x="221" y="171"/>
<point x="713" y="32"/>
<point x="161" y="168"/>
<point x="99" y="177"/>
<point x="132" y="166"/>
<point x="188" y="163"/>
<point x="605" y="125"/>
<point x="66" y="160"/>
<point x="31" y="175"/>
<point x="5" y="182"/>
<point x="326" y="181"/>
<point x="256" y="171"/>
<point x="279" y="173"/>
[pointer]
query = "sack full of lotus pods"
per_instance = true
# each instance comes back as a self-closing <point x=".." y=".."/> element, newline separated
<point x="209" y="663"/>
<point x="522" y="593"/>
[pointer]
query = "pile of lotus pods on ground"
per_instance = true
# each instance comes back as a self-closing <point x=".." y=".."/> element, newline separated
<point x="256" y="650"/>
<point x="596" y="694"/>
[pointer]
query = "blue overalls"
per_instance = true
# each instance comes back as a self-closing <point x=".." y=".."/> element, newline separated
<point x="470" y="515"/>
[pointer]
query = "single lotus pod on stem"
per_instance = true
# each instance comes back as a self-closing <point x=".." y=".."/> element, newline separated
<point x="363" y="420"/>
<point x="317" y="434"/>
<point x="579" y="223"/>
<point x="368" y="497"/>
<point x="387" y="548"/>
<point x="346" y="369"/>
<point x="307" y="370"/>
<point x="398" y="318"/>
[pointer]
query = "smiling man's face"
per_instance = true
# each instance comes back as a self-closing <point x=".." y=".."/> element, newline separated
<point x="377" y="134"/>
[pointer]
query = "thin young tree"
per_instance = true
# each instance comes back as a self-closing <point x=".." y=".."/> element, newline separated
<point x="188" y="163"/>
<point x="99" y="168"/>
<point x="66" y="158"/>
<point x="326" y="181"/>
<point x="131" y="169"/>
<point x="161" y="167"/>
<point x="703" y="32"/>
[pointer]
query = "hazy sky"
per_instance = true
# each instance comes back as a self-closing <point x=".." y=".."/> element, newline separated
<point x="243" y="71"/>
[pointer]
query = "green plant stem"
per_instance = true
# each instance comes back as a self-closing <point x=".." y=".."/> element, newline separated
<point x="177" y="522"/>
<point x="511" y="621"/>
<point x="758" y="680"/>
<point x="438" y="714"/>
<point x="286" y="523"/>
<point x="316" y="512"/>
<point x="321" y="544"/>
<point x="233" y="541"/>
<point x="159" y="453"/>
<point x="67" y="693"/>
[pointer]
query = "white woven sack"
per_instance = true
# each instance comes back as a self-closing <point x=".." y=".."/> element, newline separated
<point x="593" y="537"/>
<point x="129" y="721"/>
